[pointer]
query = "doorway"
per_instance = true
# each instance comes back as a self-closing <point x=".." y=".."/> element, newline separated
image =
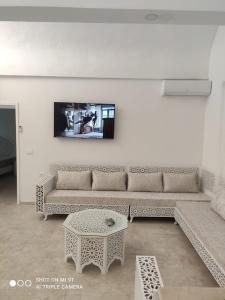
<point x="9" y="159"/>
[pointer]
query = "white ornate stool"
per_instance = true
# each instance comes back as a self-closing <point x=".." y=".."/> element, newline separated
<point x="147" y="278"/>
<point x="89" y="240"/>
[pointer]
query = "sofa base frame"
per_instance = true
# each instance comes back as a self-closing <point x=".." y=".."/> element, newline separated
<point x="132" y="212"/>
<point x="65" y="209"/>
<point x="210" y="262"/>
<point x="128" y="211"/>
<point x="147" y="211"/>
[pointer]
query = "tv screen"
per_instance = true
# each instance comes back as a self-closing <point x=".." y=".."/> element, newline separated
<point x="84" y="120"/>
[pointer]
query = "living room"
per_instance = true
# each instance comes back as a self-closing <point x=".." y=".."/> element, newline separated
<point x="162" y="67"/>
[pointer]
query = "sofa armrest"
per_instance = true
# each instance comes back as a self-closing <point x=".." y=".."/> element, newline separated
<point x="45" y="185"/>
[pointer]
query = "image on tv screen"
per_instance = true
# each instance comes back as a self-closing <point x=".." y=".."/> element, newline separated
<point x="84" y="120"/>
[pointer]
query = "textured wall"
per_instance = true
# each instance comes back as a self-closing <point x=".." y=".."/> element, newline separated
<point x="150" y="129"/>
<point x="214" y="135"/>
<point x="105" y="50"/>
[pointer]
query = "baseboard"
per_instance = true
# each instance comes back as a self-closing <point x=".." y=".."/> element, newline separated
<point x="27" y="202"/>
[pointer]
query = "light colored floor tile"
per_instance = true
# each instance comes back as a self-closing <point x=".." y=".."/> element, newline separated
<point x="33" y="248"/>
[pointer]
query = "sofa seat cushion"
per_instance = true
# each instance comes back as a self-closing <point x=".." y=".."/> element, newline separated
<point x="208" y="227"/>
<point x="121" y="198"/>
<point x="87" y="197"/>
<point x="164" y="199"/>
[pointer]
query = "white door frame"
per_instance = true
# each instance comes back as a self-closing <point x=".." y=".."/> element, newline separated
<point x="14" y="105"/>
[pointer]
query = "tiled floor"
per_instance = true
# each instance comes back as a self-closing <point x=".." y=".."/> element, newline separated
<point x="31" y="248"/>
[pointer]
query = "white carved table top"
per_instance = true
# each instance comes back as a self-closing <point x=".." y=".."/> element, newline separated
<point x="92" y="222"/>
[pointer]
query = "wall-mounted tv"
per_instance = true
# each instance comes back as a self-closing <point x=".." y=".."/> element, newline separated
<point x="84" y="120"/>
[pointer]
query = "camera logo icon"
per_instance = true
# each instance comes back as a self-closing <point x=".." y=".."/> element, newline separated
<point x="20" y="283"/>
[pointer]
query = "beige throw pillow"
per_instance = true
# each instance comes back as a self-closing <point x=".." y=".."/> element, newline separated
<point x="145" y="182"/>
<point x="180" y="183"/>
<point x="218" y="204"/>
<point x="108" y="181"/>
<point x="74" y="180"/>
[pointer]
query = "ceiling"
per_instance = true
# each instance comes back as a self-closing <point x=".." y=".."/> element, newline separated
<point x="143" y="39"/>
<point x="193" y="5"/>
<point x="193" y="12"/>
<point x="97" y="15"/>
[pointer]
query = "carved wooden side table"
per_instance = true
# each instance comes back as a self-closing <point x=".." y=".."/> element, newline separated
<point x="89" y="240"/>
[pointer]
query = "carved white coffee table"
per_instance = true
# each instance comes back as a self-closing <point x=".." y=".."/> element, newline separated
<point x="89" y="240"/>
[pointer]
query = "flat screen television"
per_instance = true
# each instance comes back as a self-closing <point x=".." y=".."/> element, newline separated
<point x="84" y="120"/>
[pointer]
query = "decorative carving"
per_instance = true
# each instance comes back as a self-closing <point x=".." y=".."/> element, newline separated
<point x="53" y="208"/>
<point x="178" y="170"/>
<point x="54" y="168"/>
<point x="146" y="211"/>
<point x="39" y="198"/>
<point x="71" y="242"/>
<point x="92" y="251"/>
<point x="94" y="242"/>
<point x="115" y="248"/>
<point x="42" y="189"/>
<point x="211" y="263"/>
<point x="148" y="276"/>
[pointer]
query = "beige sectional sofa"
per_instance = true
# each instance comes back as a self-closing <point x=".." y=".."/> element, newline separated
<point x="202" y="221"/>
<point x="204" y="225"/>
<point x="50" y="200"/>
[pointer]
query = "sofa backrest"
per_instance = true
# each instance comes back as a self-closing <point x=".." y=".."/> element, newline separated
<point x="54" y="168"/>
<point x="205" y="178"/>
<point x="162" y="169"/>
<point x="154" y="169"/>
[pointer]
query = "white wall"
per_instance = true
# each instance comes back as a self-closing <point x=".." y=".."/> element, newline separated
<point x="150" y="129"/>
<point x="105" y="50"/>
<point x="214" y="135"/>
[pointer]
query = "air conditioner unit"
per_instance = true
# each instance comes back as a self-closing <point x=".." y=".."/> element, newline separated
<point x="181" y="87"/>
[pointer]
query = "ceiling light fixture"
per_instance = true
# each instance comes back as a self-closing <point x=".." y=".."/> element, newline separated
<point x="151" y="17"/>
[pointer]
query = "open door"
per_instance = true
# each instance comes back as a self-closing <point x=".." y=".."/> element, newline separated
<point x="9" y="171"/>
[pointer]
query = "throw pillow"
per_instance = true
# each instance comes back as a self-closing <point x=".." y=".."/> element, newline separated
<point x="108" y="181"/>
<point x="145" y="182"/>
<point x="180" y="183"/>
<point x="74" y="180"/>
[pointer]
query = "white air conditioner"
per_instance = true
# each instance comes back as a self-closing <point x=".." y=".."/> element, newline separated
<point x="181" y="87"/>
